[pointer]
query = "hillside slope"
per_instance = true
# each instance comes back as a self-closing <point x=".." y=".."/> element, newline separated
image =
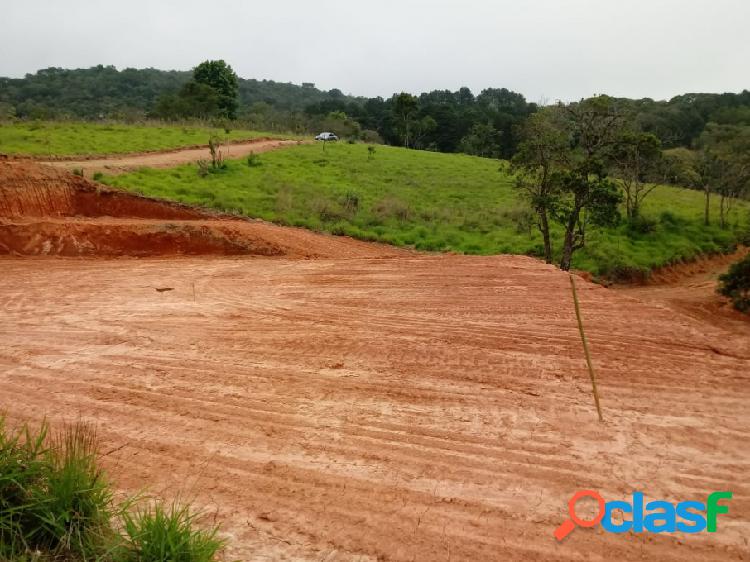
<point x="434" y="202"/>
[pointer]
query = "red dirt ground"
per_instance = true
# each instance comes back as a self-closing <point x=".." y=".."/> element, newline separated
<point x="389" y="406"/>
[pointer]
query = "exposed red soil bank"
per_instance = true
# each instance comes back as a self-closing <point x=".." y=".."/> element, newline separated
<point x="46" y="211"/>
<point x="415" y="408"/>
<point x="690" y="288"/>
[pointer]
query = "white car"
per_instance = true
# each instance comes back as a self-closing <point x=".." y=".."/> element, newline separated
<point x="326" y="137"/>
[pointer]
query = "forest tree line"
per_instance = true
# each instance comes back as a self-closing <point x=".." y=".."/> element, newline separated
<point x="486" y="124"/>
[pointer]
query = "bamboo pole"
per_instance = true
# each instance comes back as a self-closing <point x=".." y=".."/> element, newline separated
<point x="586" y="348"/>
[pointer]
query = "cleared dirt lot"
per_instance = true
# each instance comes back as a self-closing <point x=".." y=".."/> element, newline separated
<point x="393" y="408"/>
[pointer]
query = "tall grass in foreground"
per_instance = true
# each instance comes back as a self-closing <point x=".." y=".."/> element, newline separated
<point x="166" y="533"/>
<point x="56" y="504"/>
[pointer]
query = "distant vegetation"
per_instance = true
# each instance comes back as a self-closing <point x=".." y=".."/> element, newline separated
<point x="103" y="92"/>
<point x="70" y="138"/>
<point x="56" y="504"/>
<point x="483" y="124"/>
<point x="435" y="202"/>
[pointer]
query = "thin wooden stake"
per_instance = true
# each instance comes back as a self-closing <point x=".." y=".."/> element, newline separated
<point x="586" y="348"/>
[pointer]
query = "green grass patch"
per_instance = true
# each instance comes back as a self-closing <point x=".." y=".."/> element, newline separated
<point x="71" y="138"/>
<point x="428" y="201"/>
<point x="56" y="504"/>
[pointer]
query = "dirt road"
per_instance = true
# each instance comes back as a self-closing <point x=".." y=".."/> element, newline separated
<point x="167" y="159"/>
<point x="691" y="289"/>
<point x="403" y="408"/>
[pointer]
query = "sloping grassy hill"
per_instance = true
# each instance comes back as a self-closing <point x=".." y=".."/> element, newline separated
<point x="430" y="201"/>
<point x="70" y="138"/>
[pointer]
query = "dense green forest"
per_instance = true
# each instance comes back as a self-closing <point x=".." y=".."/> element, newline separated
<point x="103" y="92"/>
<point x="486" y="124"/>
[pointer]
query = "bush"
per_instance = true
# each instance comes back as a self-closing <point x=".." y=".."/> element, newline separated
<point x="327" y="210"/>
<point x="735" y="284"/>
<point x="98" y="176"/>
<point x="523" y="218"/>
<point x="53" y="496"/>
<point x="56" y="504"/>
<point x="639" y="224"/>
<point x="22" y="470"/>
<point x="158" y="533"/>
<point x="78" y="172"/>
<point x="669" y="219"/>
<point x="253" y="160"/>
<point x="371" y="137"/>
<point x="392" y="207"/>
<point x="74" y="509"/>
<point x="350" y="202"/>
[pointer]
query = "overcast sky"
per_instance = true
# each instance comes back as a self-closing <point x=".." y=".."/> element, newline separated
<point x="545" y="49"/>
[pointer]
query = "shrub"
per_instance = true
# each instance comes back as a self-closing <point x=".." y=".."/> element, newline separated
<point x="371" y="137"/>
<point x="253" y="160"/>
<point x="98" y="176"/>
<point x="392" y="207"/>
<point x="77" y="172"/>
<point x="522" y="218"/>
<point x="55" y="504"/>
<point x="735" y="284"/>
<point x="327" y="210"/>
<point x="74" y="509"/>
<point x="350" y="202"/>
<point x="157" y="533"/>
<point x="640" y="224"/>
<point x="22" y="470"/>
<point x="55" y="499"/>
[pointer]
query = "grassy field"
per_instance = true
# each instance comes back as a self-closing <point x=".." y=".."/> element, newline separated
<point x="429" y="201"/>
<point x="69" y="139"/>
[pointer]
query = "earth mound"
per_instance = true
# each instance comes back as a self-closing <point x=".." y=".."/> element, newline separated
<point x="48" y="211"/>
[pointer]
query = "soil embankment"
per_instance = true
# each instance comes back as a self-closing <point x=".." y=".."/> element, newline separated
<point x="48" y="211"/>
<point x="690" y="288"/>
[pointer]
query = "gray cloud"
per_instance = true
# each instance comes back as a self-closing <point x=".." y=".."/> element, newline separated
<point x="554" y="49"/>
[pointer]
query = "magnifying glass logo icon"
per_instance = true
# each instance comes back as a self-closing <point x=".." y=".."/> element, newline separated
<point x="569" y="524"/>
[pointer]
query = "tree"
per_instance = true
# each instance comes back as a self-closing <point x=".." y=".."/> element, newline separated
<point x="482" y="140"/>
<point x="542" y="153"/>
<point x="735" y="284"/>
<point x="639" y="165"/>
<point x="421" y="129"/>
<point x="339" y="123"/>
<point x="404" y="107"/>
<point x="587" y="195"/>
<point x="693" y="169"/>
<point x="218" y="75"/>
<point x="731" y="147"/>
<point x="588" y="198"/>
<point x="724" y="165"/>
